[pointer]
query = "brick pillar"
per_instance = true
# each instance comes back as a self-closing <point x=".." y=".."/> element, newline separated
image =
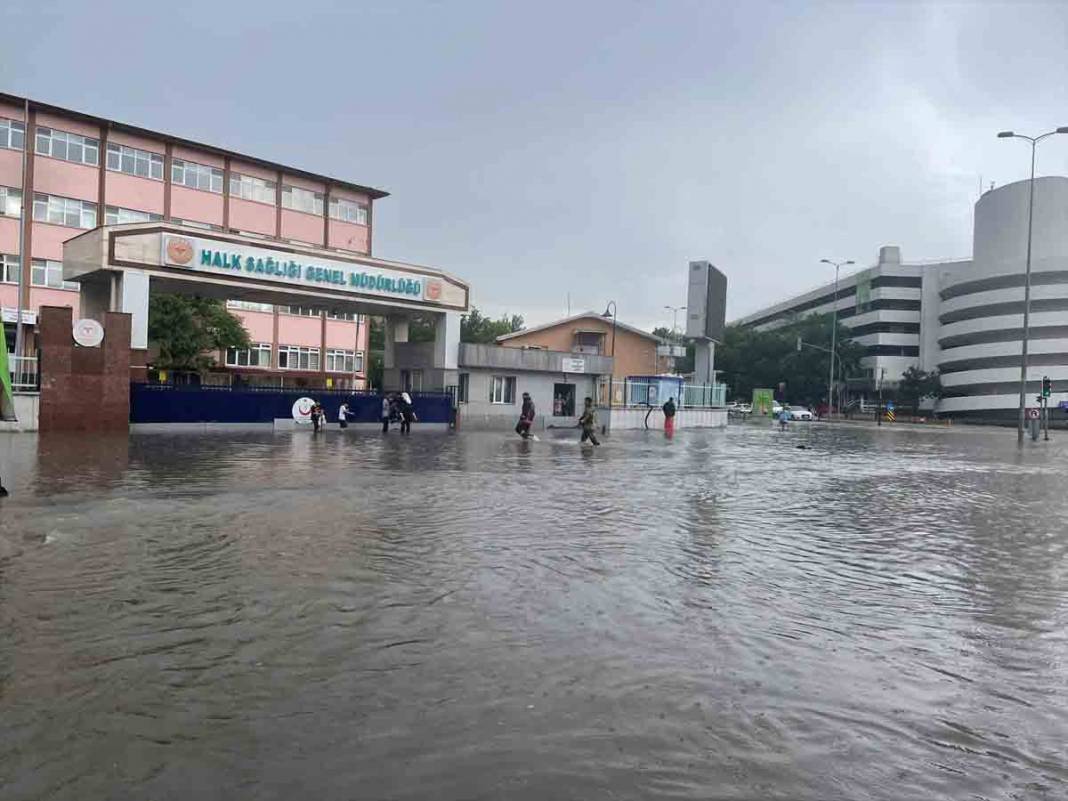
<point x="84" y="389"/>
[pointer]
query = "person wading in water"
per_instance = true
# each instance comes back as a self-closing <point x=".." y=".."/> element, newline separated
<point x="669" y="418"/>
<point x="526" y="417"/>
<point x="588" y="422"/>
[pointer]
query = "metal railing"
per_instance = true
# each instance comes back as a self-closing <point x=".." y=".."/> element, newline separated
<point x="24" y="374"/>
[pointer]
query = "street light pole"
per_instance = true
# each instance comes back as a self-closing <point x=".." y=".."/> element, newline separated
<point x="1033" y="140"/>
<point x="674" y="333"/>
<point x="834" y="334"/>
<point x="611" y="311"/>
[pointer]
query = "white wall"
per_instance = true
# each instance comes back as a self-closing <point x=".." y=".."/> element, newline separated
<point x="27" y="408"/>
<point x="478" y="412"/>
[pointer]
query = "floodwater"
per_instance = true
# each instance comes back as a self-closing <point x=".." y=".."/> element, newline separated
<point x="881" y="615"/>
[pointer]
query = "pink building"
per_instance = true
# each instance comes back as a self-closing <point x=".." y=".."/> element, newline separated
<point x="82" y="172"/>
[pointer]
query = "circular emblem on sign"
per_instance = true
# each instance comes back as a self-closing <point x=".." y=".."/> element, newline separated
<point x="179" y="250"/>
<point x="88" y="333"/>
<point x="433" y="289"/>
<point x="302" y="410"/>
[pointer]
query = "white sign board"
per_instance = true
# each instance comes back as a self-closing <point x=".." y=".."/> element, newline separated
<point x="11" y="316"/>
<point x="88" y="333"/>
<point x="570" y="364"/>
<point x="207" y="255"/>
<point x="302" y="410"/>
<point x="1033" y="414"/>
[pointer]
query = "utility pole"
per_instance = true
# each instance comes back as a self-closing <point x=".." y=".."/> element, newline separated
<point x="1034" y="140"/>
<point x="834" y="334"/>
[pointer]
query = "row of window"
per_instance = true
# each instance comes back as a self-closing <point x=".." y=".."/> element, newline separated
<point x="64" y="211"/>
<point x="294" y="357"/>
<point x="68" y="146"/>
<point x="43" y="272"/>
<point x="300" y="311"/>
<point x="145" y="164"/>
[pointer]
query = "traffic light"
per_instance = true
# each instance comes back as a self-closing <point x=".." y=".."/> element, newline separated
<point x="1047" y="386"/>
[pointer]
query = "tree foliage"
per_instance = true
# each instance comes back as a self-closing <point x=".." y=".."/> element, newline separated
<point x="477" y="327"/>
<point x="748" y="359"/>
<point x="917" y="384"/>
<point x="188" y="330"/>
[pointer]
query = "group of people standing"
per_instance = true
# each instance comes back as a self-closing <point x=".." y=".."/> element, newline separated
<point x="397" y="408"/>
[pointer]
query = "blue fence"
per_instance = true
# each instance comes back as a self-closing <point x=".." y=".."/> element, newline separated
<point x="165" y="403"/>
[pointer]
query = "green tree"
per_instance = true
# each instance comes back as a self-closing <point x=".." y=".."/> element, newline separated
<point x="917" y="384"/>
<point x="188" y="330"/>
<point x="750" y="359"/>
<point x="477" y="327"/>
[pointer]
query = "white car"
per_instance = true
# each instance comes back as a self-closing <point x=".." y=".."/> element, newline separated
<point x="798" y="413"/>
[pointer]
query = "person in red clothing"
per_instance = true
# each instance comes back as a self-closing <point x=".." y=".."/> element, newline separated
<point x="669" y="417"/>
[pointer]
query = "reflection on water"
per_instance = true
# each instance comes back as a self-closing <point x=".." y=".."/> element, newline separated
<point x="881" y="615"/>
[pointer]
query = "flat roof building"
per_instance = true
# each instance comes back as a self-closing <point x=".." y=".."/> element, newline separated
<point x="963" y="317"/>
<point x="74" y="172"/>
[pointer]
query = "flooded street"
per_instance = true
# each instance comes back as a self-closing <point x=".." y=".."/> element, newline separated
<point x="879" y="616"/>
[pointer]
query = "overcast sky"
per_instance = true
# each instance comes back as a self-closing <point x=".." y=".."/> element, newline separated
<point x="591" y="148"/>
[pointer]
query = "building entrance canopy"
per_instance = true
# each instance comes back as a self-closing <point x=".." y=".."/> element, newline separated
<point x="117" y="265"/>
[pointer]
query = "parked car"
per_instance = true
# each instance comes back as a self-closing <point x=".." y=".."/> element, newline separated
<point x="745" y="408"/>
<point x="799" y="413"/>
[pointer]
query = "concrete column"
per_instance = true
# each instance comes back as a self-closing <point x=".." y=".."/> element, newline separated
<point x="133" y="296"/>
<point x="704" y="361"/>
<point x="396" y="333"/>
<point x="95" y="299"/>
<point x="447" y="341"/>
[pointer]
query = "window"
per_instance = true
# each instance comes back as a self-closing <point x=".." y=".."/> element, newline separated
<point x="64" y="211"/>
<point x="502" y="389"/>
<point x="9" y="268"/>
<point x="344" y="361"/>
<point x="197" y="224"/>
<point x="132" y="161"/>
<point x="49" y="274"/>
<point x="12" y="134"/>
<point x="116" y="215"/>
<point x="293" y="197"/>
<point x="291" y="357"/>
<point x="10" y="201"/>
<point x="302" y="311"/>
<point x="258" y="355"/>
<point x="253" y="234"/>
<point x="196" y="176"/>
<point x="248" y="188"/>
<point x="588" y="342"/>
<point x="463" y="388"/>
<point x="249" y="305"/>
<point x="68" y="146"/>
<point x="340" y="315"/>
<point x="348" y="211"/>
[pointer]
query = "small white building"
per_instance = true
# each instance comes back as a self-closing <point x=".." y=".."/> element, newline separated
<point x="493" y="379"/>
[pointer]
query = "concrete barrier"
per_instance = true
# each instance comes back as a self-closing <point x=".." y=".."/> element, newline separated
<point x="27" y="410"/>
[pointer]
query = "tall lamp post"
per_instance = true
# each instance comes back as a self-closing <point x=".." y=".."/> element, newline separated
<point x="1034" y="140"/>
<point x="674" y="335"/>
<point x="610" y="311"/>
<point x="838" y="265"/>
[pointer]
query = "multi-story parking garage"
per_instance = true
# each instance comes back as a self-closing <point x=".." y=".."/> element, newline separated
<point x="963" y="318"/>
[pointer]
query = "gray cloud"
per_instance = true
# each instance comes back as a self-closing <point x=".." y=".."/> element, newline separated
<point x="592" y="148"/>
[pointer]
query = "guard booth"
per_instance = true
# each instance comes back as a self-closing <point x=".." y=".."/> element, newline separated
<point x="119" y="266"/>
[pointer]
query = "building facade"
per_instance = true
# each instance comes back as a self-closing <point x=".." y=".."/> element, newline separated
<point x="71" y="172"/>
<point x="492" y="381"/>
<point x="963" y="318"/>
<point x="634" y="351"/>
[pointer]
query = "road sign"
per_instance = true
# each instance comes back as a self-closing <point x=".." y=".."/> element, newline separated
<point x="1033" y="414"/>
<point x="889" y="414"/>
<point x="889" y="406"/>
<point x="1063" y="405"/>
